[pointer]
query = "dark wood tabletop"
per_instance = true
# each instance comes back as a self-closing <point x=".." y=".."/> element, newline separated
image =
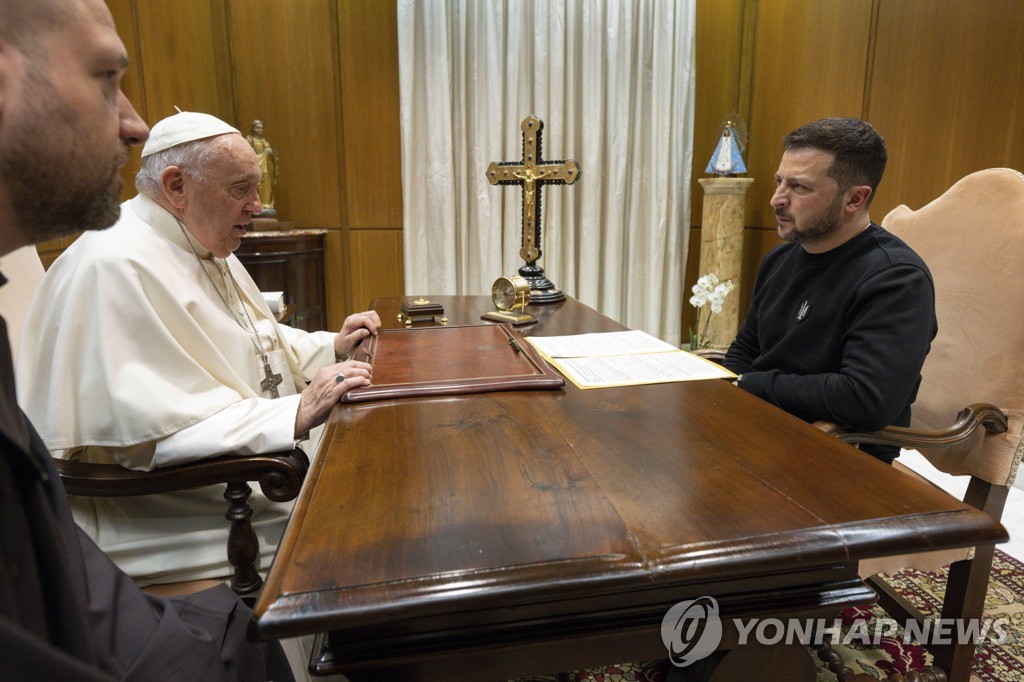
<point x="527" y="532"/>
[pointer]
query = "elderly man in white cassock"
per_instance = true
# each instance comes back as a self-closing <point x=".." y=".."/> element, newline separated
<point x="152" y="346"/>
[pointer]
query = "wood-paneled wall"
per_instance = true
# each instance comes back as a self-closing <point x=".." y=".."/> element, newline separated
<point x="373" y="158"/>
<point x="941" y="80"/>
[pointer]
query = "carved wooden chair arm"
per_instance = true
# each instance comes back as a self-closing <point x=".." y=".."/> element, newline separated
<point x="279" y="474"/>
<point x="972" y="417"/>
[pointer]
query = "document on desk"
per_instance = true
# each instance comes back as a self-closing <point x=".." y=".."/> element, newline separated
<point x="627" y="358"/>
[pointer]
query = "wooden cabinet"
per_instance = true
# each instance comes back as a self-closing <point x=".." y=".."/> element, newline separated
<point x="293" y="262"/>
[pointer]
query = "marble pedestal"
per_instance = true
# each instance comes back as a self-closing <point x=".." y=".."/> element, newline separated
<point x="721" y="248"/>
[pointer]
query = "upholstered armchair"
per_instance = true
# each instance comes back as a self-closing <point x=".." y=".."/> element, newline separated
<point x="968" y="418"/>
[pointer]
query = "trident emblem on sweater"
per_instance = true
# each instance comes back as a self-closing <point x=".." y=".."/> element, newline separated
<point x="805" y="308"/>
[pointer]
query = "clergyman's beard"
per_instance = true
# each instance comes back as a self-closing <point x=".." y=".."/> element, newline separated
<point x="818" y="227"/>
<point x="53" y="184"/>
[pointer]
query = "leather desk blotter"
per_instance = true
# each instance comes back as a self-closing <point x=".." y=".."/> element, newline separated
<point x="450" y="361"/>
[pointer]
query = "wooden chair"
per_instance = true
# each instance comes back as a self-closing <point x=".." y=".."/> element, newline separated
<point x="968" y="418"/>
<point x="279" y="474"/>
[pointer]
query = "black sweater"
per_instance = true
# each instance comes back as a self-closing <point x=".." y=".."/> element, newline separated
<point x="841" y="335"/>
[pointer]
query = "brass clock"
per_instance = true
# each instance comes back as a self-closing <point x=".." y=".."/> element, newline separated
<point x="510" y="295"/>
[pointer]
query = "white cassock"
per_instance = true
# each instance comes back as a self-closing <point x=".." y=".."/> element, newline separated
<point x="128" y="355"/>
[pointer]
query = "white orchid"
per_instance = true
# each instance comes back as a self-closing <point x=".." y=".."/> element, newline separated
<point x="708" y="289"/>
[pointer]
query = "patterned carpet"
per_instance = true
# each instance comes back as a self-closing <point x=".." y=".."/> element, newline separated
<point x="992" y="663"/>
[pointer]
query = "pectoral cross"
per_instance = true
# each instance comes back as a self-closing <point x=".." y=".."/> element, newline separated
<point x="270" y="380"/>
<point x="532" y="173"/>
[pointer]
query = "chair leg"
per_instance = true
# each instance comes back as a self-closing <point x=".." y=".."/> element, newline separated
<point x="964" y="599"/>
<point x="243" y="545"/>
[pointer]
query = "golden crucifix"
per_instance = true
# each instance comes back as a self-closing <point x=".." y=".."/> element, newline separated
<point x="532" y="173"/>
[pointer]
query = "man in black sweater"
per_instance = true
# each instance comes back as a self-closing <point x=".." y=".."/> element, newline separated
<point x="66" y="612"/>
<point x="843" y="315"/>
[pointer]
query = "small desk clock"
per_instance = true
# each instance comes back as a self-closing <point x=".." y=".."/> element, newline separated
<point x="510" y="294"/>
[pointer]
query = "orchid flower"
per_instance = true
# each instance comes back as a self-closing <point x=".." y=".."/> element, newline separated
<point x="708" y="289"/>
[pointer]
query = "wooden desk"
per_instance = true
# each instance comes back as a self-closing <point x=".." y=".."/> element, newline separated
<point x="505" y="534"/>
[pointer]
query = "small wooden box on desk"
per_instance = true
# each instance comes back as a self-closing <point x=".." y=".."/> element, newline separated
<point x="291" y="261"/>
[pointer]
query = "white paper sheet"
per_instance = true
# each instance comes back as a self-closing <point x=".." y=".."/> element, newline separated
<point x="623" y="359"/>
<point x="607" y="343"/>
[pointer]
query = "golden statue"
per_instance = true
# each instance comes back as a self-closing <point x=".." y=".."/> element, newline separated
<point x="267" y="156"/>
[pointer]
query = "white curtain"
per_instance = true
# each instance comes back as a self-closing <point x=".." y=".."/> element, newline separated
<point x="612" y="80"/>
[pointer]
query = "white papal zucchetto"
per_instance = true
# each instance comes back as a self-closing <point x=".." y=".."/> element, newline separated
<point x="185" y="126"/>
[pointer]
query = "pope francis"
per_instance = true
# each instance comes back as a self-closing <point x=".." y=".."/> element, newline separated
<point x="152" y="346"/>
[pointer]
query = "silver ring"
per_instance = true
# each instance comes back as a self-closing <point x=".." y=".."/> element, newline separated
<point x="340" y="378"/>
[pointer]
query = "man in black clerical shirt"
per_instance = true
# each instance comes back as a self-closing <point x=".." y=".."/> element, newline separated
<point x="66" y="612"/>
<point x="842" y="315"/>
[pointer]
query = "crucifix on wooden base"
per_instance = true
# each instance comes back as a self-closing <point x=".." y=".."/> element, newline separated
<point x="532" y="173"/>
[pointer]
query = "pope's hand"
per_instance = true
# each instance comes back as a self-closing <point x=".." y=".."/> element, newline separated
<point x="356" y="328"/>
<point x="327" y="387"/>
